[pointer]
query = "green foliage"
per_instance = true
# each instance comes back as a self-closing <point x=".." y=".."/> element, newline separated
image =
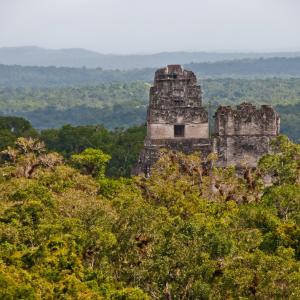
<point x="11" y="128"/>
<point x="122" y="145"/>
<point x="92" y="161"/>
<point x="284" y="164"/>
<point x="183" y="233"/>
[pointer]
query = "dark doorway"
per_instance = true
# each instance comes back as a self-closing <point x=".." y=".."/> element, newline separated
<point x="178" y="130"/>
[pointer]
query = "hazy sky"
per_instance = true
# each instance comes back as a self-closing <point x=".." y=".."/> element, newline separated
<point x="147" y="26"/>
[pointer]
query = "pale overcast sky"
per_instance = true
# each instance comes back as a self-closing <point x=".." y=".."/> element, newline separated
<point x="147" y="26"/>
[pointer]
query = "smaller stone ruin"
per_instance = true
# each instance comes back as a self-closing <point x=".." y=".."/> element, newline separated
<point x="243" y="135"/>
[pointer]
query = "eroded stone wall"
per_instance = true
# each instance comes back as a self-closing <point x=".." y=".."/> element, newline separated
<point x="243" y="134"/>
<point x="175" y="100"/>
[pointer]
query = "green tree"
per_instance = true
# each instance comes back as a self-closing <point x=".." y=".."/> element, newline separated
<point x="92" y="161"/>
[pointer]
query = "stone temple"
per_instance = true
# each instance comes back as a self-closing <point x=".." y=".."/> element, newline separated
<point x="177" y="120"/>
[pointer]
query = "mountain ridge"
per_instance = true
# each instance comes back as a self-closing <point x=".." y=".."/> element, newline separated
<point x="80" y="57"/>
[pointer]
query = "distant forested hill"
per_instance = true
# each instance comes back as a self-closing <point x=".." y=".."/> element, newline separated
<point x="35" y="56"/>
<point x="18" y="76"/>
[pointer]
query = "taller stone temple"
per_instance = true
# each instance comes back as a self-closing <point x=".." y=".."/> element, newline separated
<point x="177" y="120"/>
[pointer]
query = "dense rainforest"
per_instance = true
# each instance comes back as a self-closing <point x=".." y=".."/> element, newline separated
<point x="70" y="232"/>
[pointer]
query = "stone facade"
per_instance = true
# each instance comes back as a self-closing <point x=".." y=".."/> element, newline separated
<point x="243" y="135"/>
<point x="177" y="120"/>
<point x="176" y="99"/>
